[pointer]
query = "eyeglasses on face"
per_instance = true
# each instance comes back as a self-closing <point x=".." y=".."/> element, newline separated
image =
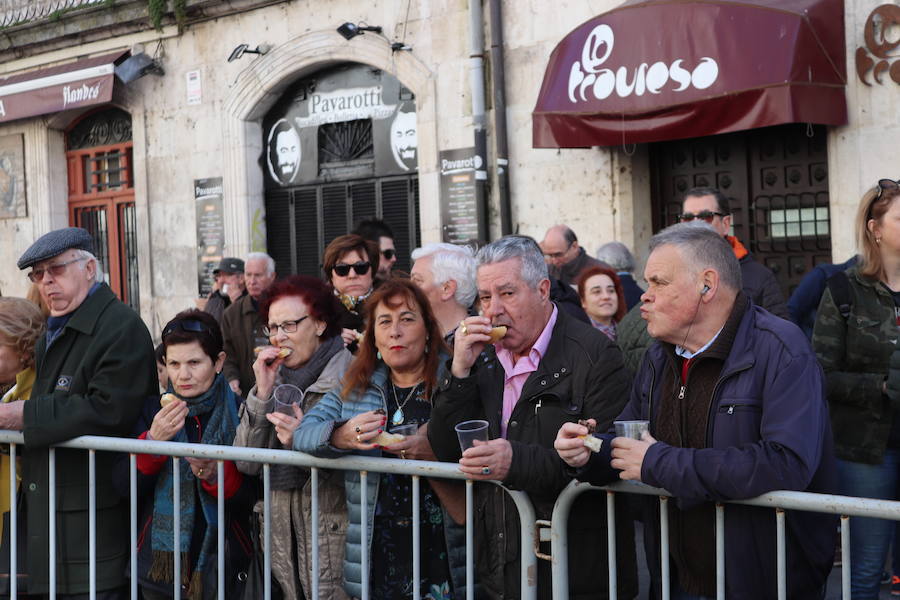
<point x="703" y="215"/>
<point x="37" y="275"/>
<point x="189" y="325"/>
<point x="389" y="253"/>
<point x="557" y="255"/>
<point x="286" y="326"/>
<point x="343" y="269"/>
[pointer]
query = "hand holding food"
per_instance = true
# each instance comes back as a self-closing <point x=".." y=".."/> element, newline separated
<point x="590" y="442"/>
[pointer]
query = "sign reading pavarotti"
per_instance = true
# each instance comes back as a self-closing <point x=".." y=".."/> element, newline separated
<point x="210" y="230"/>
<point x="462" y="197"/>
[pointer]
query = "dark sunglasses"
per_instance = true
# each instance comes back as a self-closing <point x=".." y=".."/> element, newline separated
<point x="703" y="215"/>
<point x="885" y="185"/>
<point x="343" y="270"/>
<point x="389" y="253"/>
<point x="191" y="326"/>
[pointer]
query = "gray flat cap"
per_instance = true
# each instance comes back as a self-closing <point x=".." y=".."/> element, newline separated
<point x="55" y="243"/>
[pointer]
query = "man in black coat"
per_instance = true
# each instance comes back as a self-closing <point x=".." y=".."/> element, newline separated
<point x="95" y="368"/>
<point x="549" y="369"/>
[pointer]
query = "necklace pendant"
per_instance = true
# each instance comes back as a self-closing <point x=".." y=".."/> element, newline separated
<point x="397" y="417"/>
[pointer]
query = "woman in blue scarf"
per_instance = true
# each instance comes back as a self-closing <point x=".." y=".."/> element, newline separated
<point x="205" y="412"/>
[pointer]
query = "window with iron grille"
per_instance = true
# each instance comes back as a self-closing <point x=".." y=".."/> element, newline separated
<point x="101" y="195"/>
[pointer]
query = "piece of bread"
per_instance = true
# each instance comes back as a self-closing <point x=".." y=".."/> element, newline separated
<point x="284" y="352"/>
<point x="386" y="439"/>
<point x="497" y="333"/>
<point x="592" y="443"/>
<point x="167" y="399"/>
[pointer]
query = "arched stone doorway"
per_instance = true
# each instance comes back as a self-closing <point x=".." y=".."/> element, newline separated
<point x="339" y="146"/>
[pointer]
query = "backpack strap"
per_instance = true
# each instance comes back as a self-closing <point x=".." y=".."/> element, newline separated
<point x="839" y="285"/>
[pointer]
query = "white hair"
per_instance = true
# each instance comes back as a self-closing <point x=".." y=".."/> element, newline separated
<point x="98" y="270"/>
<point x="450" y="261"/>
<point x="270" y="262"/>
<point x="702" y="248"/>
<point x="616" y="255"/>
<point x="524" y="248"/>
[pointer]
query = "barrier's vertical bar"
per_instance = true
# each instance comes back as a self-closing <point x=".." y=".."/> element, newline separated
<point x="782" y="569"/>
<point x="92" y="524"/>
<point x="417" y="568"/>
<point x="314" y="570"/>
<point x="363" y="532"/>
<point x="470" y="540"/>
<point x="13" y="518"/>
<point x="133" y="517"/>
<point x="845" y="557"/>
<point x="664" y="545"/>
<point x="220" y="518"/>
<point x="611" y="541"/>
<point x="51" y="517"/>
<point x="176" y="529"/>
<point x="267" y="532"/>
<point x="720" y="551"/>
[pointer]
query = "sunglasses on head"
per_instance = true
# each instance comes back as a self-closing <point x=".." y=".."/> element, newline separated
<point x="191" y="326"/>
<point x="342" y="270"/>
<point x="703" y="215"/>
<point x="389" y="253"/>
<point x="885" y="185"/>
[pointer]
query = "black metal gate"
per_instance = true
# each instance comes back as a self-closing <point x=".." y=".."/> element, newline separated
<point x="777" y="181"/>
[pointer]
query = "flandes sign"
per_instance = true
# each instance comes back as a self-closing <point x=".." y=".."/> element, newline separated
<point x="42" y="94"/>
<point x="666" y="69"/>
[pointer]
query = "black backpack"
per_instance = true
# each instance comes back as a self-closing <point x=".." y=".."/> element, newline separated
<point x="839" y="285"/>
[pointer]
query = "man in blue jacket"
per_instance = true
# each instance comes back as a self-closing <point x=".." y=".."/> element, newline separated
<point x="736" y="404"/>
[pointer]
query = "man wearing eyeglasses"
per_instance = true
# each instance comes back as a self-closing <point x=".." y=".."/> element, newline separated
<point x="759" y="283"/>
<point x="565" y="258"/>
<point x="242" y="329"/>
<point x="95" y="368"/>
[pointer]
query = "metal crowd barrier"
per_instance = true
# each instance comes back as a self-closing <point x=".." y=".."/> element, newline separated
<point x="779" y="502"/>
<point x="363" y="464"/>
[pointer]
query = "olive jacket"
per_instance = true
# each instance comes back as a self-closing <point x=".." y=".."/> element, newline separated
<point x="241" y="326"/>
<point x="855" y="352"/>
<point x="294" y="506"/>
<point x="92" y="380"/>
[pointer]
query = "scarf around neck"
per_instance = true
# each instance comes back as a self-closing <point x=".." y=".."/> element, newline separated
<point x="307" y="374"/>
<point x="218" y="402"/>
<point x="352" y="303"/>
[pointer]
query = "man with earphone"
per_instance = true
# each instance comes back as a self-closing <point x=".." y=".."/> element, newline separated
<point x="735" y="401"/>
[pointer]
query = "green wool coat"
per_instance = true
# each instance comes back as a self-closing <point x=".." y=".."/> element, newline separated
<point x="92" y="380"/>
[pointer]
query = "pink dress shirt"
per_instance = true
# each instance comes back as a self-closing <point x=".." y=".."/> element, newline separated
<point x="516" y="373"/>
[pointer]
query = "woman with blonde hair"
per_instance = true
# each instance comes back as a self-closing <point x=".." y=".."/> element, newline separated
<point x="21" y="326"/>
<point x="855" y="338"/>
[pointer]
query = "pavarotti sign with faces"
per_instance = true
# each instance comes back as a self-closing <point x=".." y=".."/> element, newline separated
<point x="351" y="120"/>
<point x="650" y="71"/>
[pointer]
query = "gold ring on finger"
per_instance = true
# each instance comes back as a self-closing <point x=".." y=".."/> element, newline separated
<point x="462" y="328"/>
<point x="357" y="438"/>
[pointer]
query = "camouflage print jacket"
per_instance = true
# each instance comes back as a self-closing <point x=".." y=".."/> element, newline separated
<point x="855" y="353"/>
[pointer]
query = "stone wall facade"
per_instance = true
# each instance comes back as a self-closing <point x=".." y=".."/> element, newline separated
<point x="602" y="193"/>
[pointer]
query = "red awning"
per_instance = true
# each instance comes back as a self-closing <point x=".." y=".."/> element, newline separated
<point x="74" y="85"/>
<point x="653" y="70"/>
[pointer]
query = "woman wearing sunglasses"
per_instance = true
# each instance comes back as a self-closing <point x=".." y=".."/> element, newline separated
<point x="855" y="338"/>
<point x="349" y="263"/>
<point x="390" y="384"/>
<point x="204" y="411"/>
<point x="302" y="316"/>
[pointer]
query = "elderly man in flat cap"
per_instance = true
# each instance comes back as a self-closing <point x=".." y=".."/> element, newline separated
<point x="95" y="368"/>
<point x="229" y="287"/>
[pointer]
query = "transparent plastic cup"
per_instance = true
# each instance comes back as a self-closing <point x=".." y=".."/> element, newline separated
<point x="284" y="397"/>
<point x="405" y="430"/>
<point x="631" y="429"/>
<point x="469" y="431"/>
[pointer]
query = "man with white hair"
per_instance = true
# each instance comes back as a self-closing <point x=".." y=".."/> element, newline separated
<point x="548" y="369"/>
<point x="619" y="257"/>
<point x="446" y="274"/>
<point x="735" y="400"/>
<point x="95" y="369"/>
<point x="242" y="329"/>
